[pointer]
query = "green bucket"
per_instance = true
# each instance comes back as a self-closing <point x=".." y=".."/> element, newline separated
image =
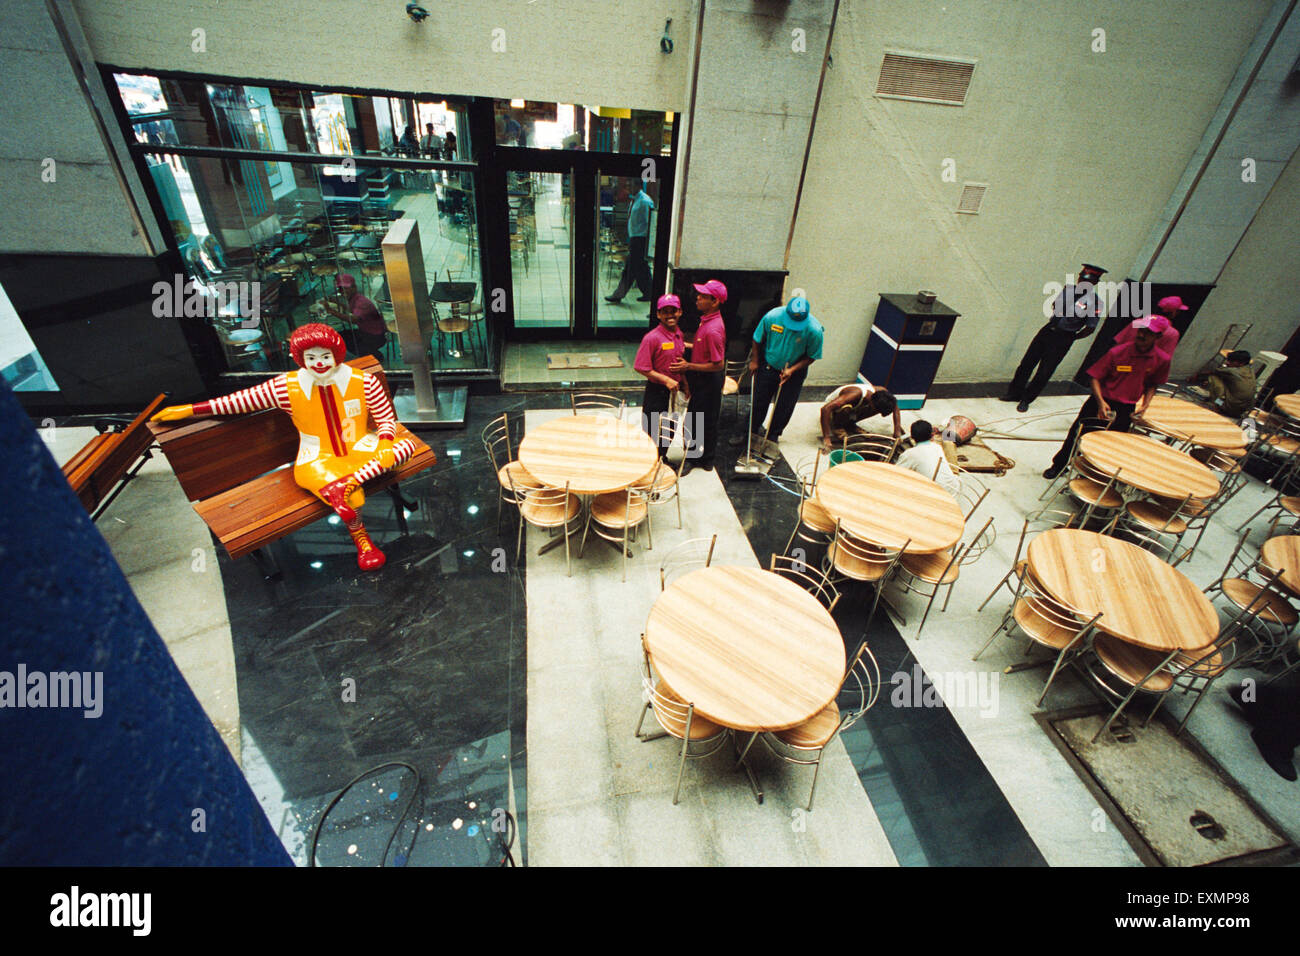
<point x="841" y="455"/>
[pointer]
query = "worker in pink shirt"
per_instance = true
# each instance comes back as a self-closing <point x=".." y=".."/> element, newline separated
<point x="1162" y="324"/>
<point x="704" y="375"/>
<point x="660" y="349"/>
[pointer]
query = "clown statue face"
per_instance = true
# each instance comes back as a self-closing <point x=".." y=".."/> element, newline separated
<point x="319" y="362"/>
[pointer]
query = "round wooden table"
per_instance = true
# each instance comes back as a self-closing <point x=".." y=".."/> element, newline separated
<point x="1283" y="552"/>
<point x="1148" y="465"/>
<point x="1288" y="404"/>
<point x="1142" y="600"/>
<point x="750" y="649"/>
<point x="592" y="454"/>
<point x="887" y="505"/>
<point x="1186" y="421"/>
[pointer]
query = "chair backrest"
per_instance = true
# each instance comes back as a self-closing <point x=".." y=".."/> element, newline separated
<point x="1231" y="642"/>
<point x="687" y="556"/>
<point x="862" y="682"/>
<point x="496" y="441"/>
<point x="1054" y="611"/>
<point x="871" y="447"/>
<point x="811" y="579"/>
<point x="979" y="544"/>
<point x="806" y="470"/>
<point x="596" y="402"/>
<point x="1233" y="336"/>
<point x="1044" y="520"/>
<point x="1166" y="549"/>
<point x="674" y="716"/>
<point x="1077" y="461"/>
<point x="543" y="497"/>
<point x="880" y="562"/>
<point x="969" y="497"/>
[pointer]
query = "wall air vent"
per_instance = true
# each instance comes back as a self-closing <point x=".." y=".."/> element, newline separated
<point x="909" y="76"/>
<point x="972" y="197"/>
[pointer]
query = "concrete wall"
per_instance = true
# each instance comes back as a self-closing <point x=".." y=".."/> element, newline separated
<point x="1258" y="283"/>
<point x="1066" y="186"/>
<point x="564" y="52"/>
<point x="43" y="114"/>
<point x="760" y="63"/>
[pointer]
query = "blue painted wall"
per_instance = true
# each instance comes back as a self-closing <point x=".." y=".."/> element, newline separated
<point x="120" y="789"/>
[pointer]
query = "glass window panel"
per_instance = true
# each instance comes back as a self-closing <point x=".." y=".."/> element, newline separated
<point x="598" y="128"/>
<point x="541" y="254"/>
<point x="265" y="244"/>
<point x="625" y="251"/>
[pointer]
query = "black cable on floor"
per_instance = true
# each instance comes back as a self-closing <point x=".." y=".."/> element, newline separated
<point x="315" y="834"/>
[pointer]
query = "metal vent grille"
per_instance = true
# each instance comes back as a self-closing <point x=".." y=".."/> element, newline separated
<point x="908" y="77"/>
<point x="972" y="197"/>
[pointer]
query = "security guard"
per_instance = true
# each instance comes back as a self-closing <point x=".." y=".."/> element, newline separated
<point x="1074" y="316"/>
<point x="786" y="341"/>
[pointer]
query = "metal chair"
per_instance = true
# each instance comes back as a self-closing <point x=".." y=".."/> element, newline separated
<point x="1282" y="502"/>
<point x="1239" y="584"/>
<point x="1121" y="670"/>
<point x="665" y="481"/>
<point x="734" y="373"/>
<point x="678" y="719"/>
<point x="941" y="570"/>
<point x="1046" y="521"/>
<point x="812" y="580"/>
<point x="499" y="445"/>
<point x="856" y="560"/>
<point x="871" y="447"/>
<point x="813" y="523"/>
<point x="616" y="516"/>
<point x="587" y="402"/>
<point x="1056" y="485"/>
<point x="687" y="556"/>
<point x="548" y="508"/>
<point x="798" y="744"/>
<point x="1048" y="623"/>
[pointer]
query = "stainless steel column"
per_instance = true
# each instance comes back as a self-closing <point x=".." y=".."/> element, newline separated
<point x="404" y="265"/>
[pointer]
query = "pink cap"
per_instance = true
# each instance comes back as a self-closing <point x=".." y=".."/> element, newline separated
<point x="1158" y="324"/>
<point x="1171" y="303"/>
<point x="714" y="288"/>
<point x="667" y="301"/>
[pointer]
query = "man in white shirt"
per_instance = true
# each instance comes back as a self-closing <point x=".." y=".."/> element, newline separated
<point x="926" y="456"/>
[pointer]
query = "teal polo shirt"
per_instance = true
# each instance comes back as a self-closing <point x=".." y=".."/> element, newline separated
<point x="788" y="334"/>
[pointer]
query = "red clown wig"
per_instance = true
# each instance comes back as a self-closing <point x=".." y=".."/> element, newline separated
<point x="316" y="335"/>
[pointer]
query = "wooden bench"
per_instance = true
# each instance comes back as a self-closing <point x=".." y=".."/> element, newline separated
<point x="101" y="469"/>
<point x="238" y="472"/>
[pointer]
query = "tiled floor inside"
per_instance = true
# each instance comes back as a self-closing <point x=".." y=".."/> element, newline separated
<point x="435" y="662"/>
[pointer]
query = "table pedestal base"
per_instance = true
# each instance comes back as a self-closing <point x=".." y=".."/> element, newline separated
<point x="754" y="785"/>
<point x="447" y="412"/>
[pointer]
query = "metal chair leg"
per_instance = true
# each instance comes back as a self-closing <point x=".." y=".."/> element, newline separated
<point x="816" y="773"/>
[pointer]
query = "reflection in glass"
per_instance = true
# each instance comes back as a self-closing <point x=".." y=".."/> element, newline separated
<point x="541" y="254"/>
<point x="598" y="128"/>
<point x="271" y="246"/>
<point x="625" y="251"/>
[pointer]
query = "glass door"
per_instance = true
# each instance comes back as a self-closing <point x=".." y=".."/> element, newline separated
<point x="541" y="229"/>
<point x="628" y="210"/>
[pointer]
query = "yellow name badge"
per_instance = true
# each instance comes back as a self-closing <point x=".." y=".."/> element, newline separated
<point x="778" y="328"/>
<point x="1123" y="368"/>
<point x="667" y="346"/>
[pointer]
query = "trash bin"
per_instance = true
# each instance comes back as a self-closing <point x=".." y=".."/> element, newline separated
<point x="840" y="455"/>
<point x="906" y="344"/>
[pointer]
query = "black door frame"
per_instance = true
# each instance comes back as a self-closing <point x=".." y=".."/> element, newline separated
<point x="585" y="166"/>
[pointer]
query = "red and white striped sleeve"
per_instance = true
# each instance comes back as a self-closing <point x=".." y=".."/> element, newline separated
<point x="381" y="409"/>
<point x="270" y="394"/>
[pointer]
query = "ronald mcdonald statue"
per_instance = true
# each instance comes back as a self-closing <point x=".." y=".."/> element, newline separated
<point x="330" y="404"/>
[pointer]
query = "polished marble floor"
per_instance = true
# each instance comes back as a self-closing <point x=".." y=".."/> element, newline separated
<point x="423" y="663"/>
